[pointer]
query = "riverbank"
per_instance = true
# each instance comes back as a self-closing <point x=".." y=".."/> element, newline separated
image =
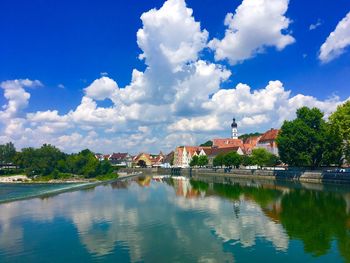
<point x="15" y="179"/>
<point x="308" y="176"/>
<point x="55" y="188"/>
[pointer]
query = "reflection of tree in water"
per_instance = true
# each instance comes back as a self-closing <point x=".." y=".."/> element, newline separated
<point x="199" y="185"/>
<point x="317" y="218"/>
<point x="120" y="184"/>
<point x="262" y="196"/>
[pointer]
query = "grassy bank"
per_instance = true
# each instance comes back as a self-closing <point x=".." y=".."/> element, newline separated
<point x="58" y="178"/>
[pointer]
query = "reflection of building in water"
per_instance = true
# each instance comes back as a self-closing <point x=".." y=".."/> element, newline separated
<point x="236" y="209"/>
<point x="144" y="181"/>
<point x="184" y="188"/>
<point x="273" y="210"/>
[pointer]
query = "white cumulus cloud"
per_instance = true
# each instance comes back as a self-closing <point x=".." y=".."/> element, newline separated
<point x="337" y="41"/>
<point x="256" y="24"/>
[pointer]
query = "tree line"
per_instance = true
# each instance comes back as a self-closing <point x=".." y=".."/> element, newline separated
<point x="49" y="161"/>
<point x="259" y="157"/>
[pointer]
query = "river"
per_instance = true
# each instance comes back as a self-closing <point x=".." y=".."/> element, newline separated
<point x="178" y="220"/>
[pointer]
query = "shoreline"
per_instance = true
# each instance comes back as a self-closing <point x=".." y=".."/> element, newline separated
<point x="79" y="186"/>
<point x="23" y="179"/>
<point x="306" y="176"/>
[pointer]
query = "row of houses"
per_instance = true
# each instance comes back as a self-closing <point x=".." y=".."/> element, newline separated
<point x="184" y="154"/>
<point x="117" y="159"/>
<point x="140" y="160"/>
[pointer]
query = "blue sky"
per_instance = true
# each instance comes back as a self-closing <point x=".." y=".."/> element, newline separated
<point x="67" y="45"/>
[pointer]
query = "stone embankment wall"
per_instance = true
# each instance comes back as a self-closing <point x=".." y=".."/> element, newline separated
<point x="290" y="175"/>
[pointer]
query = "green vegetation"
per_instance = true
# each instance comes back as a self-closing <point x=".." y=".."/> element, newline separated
<point x="194" y="161"/>
<point x="317" y="218"/>
<point x="107" y="177"/>
<point x="48" y="162"/>
<point x="247" y="160"/>
<point x="202" y="160"/>
<point x="260" y="157"/>
<point x="340" y="124"/>
<point x="247" y="135"/>
<point x="309" y="140"/>
<point x="7" y="153"/>
<point x="199" y="161"/>
<point x="207" y="144"/>
<point x="232" y="159"/>
<point x="199" y="185"/>
<point x="219" y="160"/>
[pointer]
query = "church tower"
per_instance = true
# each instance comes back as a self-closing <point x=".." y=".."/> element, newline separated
<point x="234" y="129"/>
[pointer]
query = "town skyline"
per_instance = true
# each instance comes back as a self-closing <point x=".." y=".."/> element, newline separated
<point x="184" y="77"/>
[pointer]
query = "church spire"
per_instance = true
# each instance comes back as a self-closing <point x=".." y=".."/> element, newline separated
<point x="234" y="129"/>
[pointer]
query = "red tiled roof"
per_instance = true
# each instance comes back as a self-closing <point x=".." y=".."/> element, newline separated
<point x="191" y="149"/>
<point x="250" y="143"/>
<point x="119" y="156"/>
<point x="270" y="135"/>
<point x="228" y="142"/>
<point x="208" y="150"/>
<point x="253" y="140"/>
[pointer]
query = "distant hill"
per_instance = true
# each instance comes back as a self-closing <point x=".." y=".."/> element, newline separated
<point x="246" y="135"/>
<point x="207" y="144"/>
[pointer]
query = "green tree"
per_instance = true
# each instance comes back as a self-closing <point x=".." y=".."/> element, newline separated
<point x="303" y="141"/>
<point x="247" y="160"/>
<point x="194" y="161"/>
<point x="85" y="163"/>
<point x="247" y="135"/>
<point x="218" y="160"/>
<point x="207" y="144"/>
<point x="7" y="153"/>
<point x="262" y="157"/>
<point x="27" y="159"/>
<point x="47" y="159"/>
<point x="340" y="123"/>
<point x="232" y="159"/>
<point x="202" y="160"/>
<point x="333" y="147"/>
<point x="105" y="167"/>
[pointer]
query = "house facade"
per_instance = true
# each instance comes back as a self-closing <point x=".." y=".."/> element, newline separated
<point x="148" y="160"/>
<point x="268" y="141"/>
<point x="184" y="154"/>
<point x="120" y="159"/>
<point x="216" y="151"/>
